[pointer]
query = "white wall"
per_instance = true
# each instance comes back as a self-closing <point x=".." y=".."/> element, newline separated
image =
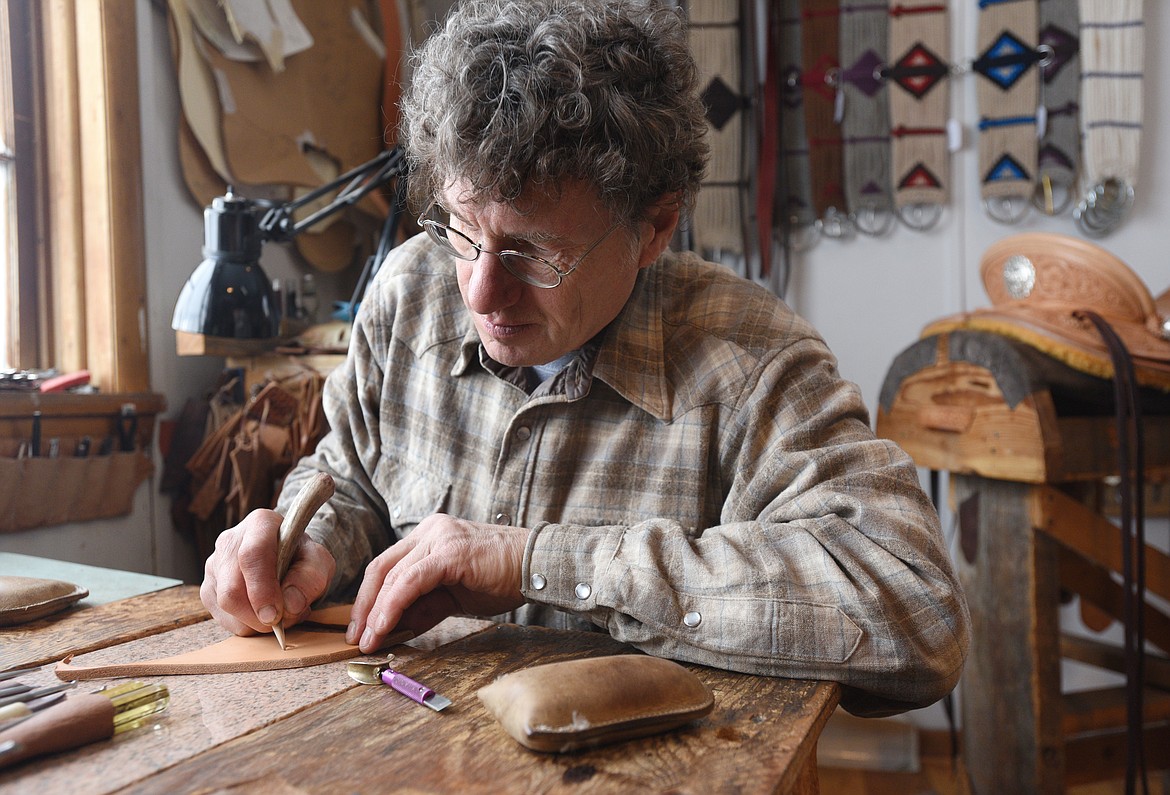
<point x="869" y="297"/>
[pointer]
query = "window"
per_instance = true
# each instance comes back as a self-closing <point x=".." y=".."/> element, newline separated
<point x="75" y="279"/>
<point x="15" y="137"/>
<point x="7" y="179"/>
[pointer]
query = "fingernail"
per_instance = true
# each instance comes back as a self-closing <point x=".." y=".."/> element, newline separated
<point x="351" y="633"/>
<point x="267" y="615"/>
<point x="367" y="639"/>
<point x="294" y="601"/>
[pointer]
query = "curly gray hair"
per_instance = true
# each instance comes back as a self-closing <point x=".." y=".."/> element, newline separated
<point x="516" y="93"/>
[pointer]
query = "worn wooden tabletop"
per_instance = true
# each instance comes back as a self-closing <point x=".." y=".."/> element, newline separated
<point x="315" y="730"/>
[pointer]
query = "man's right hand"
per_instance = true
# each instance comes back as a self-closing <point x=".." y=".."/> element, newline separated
<point x="239" y="579"/>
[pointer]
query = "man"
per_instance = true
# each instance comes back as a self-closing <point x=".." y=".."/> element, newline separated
<point x="547" y="415"/>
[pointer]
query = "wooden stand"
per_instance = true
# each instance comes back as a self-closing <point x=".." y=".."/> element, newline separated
<point x="1030" y="445"/>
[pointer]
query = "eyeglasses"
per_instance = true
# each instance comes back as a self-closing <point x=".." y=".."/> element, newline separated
<point x="528" y="268"/>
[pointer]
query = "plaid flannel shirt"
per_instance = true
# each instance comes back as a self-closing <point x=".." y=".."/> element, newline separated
<point x="698" y="481"/>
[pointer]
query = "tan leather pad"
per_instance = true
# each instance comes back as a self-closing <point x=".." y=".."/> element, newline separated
<point x="24" y="599"/>
<point x="575" y="704"/>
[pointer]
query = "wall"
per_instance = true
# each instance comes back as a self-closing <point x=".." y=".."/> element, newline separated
<point x="869" y="297"/>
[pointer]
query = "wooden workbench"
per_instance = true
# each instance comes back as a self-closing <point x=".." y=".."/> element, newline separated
<point x="1030" y="446"/>
<point x="315" y="730"/>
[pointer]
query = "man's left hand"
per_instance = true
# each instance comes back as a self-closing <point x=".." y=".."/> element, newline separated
<point x="444" y="567"/>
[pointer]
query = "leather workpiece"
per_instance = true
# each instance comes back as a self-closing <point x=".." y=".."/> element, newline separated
<point x="306" y="647"/>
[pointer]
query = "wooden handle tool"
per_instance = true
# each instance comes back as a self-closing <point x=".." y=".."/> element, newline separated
<point x="82" y="719"/>
<point x="312" y="496"/>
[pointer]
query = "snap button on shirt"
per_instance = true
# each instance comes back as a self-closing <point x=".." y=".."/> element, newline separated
<point x="692" y="619"/>
<point x="582" y="590"/>
<point x="538" y="582"/>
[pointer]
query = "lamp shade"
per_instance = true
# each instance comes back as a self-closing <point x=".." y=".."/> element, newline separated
<point x="228" y="294"/>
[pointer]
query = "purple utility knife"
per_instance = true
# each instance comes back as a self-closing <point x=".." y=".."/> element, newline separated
<point x="369" y="673"/>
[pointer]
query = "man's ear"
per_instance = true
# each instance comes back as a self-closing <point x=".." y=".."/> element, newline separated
<point x="662" y="219"/>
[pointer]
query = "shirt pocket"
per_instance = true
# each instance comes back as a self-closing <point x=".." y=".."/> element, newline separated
<point x="411" y="494"/>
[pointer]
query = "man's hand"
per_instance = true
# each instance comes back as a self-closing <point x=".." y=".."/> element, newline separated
<point x="445" y="566"/>
<point x="239" y="579"/>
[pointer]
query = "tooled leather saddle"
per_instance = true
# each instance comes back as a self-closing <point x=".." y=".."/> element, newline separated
<point x="1077" y="303"/>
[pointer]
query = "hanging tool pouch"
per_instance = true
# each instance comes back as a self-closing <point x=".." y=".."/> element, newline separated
<point x="39" y="492"/>
<point x="50" y="476"/>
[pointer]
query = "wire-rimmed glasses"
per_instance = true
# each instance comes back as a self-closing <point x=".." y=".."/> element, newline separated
<point x="528" y="268"/>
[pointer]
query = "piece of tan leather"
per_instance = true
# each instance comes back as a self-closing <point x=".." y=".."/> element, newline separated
<point x="576" y="704"/>
<point x="234" y="655"/>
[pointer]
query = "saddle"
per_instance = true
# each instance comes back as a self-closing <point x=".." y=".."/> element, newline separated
<point x="1079" y="304"/>
<point x="1041" y="285"/>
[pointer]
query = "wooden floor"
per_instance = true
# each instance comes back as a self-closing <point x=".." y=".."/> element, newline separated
<point x="939" y="777"/>
<point x="935" y="778"/>
<point x="849" y="744"/>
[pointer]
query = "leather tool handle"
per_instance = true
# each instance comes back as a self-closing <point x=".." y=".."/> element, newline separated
<point x="312" y="496"/>
<point x="80" y="720"/>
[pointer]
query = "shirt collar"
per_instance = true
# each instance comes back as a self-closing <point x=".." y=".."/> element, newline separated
<point x="471" y="351"/>
<point x="628" y="355"/>
<point x="632" y="356"/>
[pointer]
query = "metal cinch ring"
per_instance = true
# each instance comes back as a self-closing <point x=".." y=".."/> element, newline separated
<point x="1045" y="197"/>
<point x="1104" y="207"/>
<point x="867" y="220"/>
<point x="917" y="217"/>
<point x="836" y="225"/>
<point x="1006" y="209"/>
<point x="1114" y="197"/>
<point x="1090" y="221"/>
<point x="803" y="232"/>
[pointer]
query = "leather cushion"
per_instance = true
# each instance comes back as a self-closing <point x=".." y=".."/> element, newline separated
<point x="24" y="599"/>
<point x="576" y="704"/>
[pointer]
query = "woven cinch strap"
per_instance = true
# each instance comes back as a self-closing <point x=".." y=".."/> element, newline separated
<point x="919" y="102"/>
<point x="1112" y="50"/>
<point x="1008" y="96"/>
<point x="865" y="115"/>
<point x="769" y="229"/>
<point x="719" y="215"/>
<point x="819" y="54"/>
<point x="796" y="181"/>
<point x="1058" y="160"/>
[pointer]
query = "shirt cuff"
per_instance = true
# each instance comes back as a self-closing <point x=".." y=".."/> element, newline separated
<point x="565" y="566"/>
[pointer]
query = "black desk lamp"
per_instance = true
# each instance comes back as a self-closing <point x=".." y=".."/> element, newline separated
<point x="228" y="294"/>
